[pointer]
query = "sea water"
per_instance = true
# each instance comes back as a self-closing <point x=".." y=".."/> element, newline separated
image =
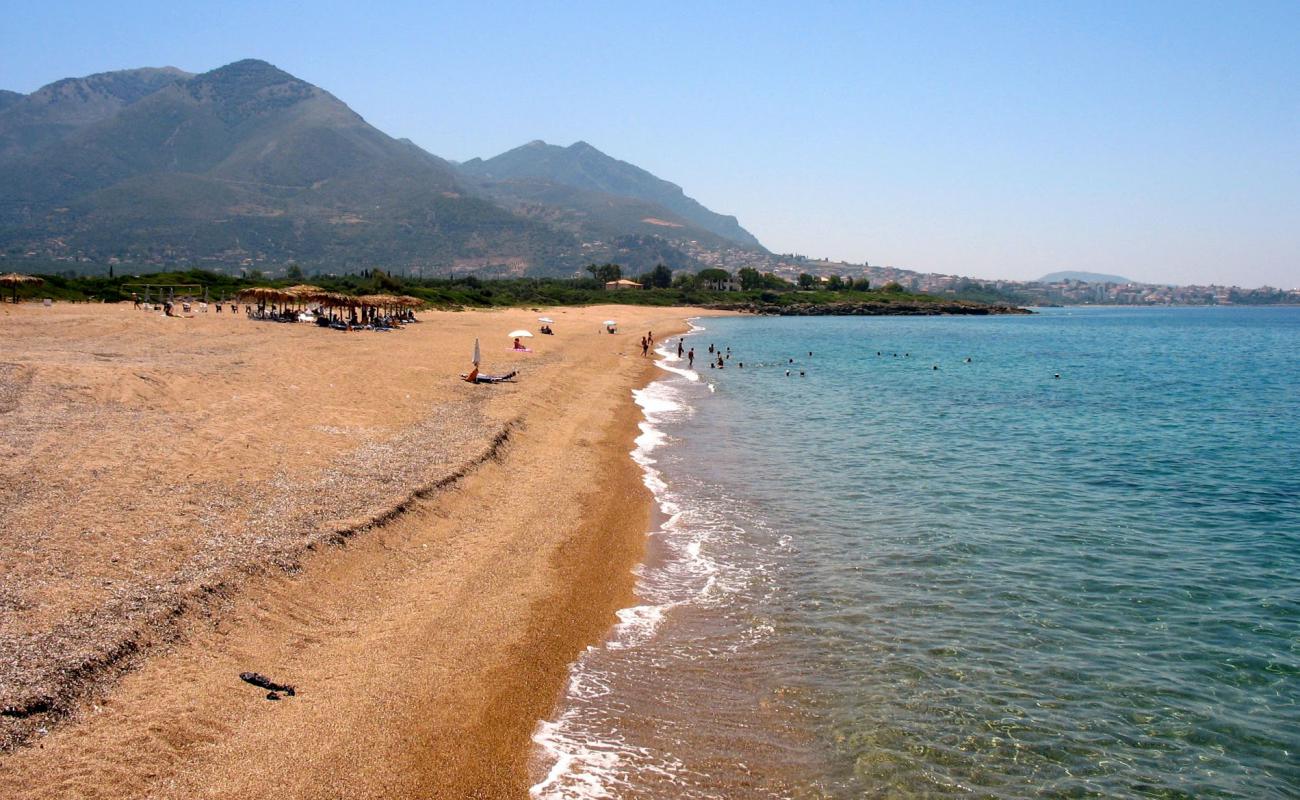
<point x="1053" y="555"/>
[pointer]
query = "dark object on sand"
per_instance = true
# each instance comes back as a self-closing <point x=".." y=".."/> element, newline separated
<point x="478" y="377"/>
<point x="272" y="696"/>
<point x="258" y="679"/>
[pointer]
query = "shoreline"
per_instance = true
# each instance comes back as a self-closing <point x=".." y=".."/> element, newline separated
<point x="555" y="755"/>
<point x="400" y="692"/>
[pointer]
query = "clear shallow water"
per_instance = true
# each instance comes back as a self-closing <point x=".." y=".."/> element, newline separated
<point x="882" y="579"/>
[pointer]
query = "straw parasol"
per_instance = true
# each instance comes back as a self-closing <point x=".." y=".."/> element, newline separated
<point x="336" y="299"/>
<point x="305" y="292"/>
<point x="13" y="279"/>
<point x="261" y="294"/>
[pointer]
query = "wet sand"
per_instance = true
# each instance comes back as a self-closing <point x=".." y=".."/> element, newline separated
<point x="188" y="499"/>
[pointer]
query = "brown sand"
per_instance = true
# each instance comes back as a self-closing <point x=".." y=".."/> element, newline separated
<point x="186" y="499"/>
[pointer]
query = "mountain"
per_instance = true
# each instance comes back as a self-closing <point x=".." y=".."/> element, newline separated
<point x="1086" y="277"/>
<point x="242" y="162"/>
<point x="247" y="165"/>
<point x="586" y="182"/>
<point x="47" y="115"/>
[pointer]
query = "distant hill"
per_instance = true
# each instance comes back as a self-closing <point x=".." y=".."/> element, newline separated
<point x="246" y="161"/>
<point x="585" y="181"/>
<point x="248" y="165"/>
<point x="1086" y="277"/>
<point x="49" y="114"/>
<point x="8" y="98"/>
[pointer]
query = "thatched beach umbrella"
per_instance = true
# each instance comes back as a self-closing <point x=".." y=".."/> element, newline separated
<point x="13" y="279"/>
<point x="305" y="292"/>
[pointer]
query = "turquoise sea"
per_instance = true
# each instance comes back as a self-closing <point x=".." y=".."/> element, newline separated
<point x="875" y="578"/>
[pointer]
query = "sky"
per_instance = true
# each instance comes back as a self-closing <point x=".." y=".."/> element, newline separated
<point x="1158" y="141"/>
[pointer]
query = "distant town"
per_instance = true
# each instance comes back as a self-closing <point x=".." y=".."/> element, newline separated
<point x="1062" y="292"/>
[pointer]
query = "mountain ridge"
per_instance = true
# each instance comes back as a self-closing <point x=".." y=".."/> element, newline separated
<point x="247" y="163"/>
<point x="583" y="167"/>
<point x="55" y="110"/>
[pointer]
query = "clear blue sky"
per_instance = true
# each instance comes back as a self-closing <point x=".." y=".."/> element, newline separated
<point x="1155" y="140"/>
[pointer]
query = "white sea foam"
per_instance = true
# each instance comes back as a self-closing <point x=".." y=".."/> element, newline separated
<point x="582" y="753"/>
<point x="580" y="765"/>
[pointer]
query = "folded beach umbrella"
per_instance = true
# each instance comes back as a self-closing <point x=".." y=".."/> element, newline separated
<point x="476" y="356"/>
<point x="519" y="334"/>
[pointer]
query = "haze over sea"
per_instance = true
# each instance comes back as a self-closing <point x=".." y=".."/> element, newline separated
<point x="882" y="579"/>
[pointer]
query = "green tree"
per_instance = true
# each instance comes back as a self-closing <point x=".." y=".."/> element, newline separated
<point x="750" y="278"/>
<point x="806" y="281"/>
<point x="835" y="284"/>
<point x="388" y="282"/>
<point x="604" y="273"/>
<point x="293" y="273"/>
<point x="892" y="286"/>
<point x="772" y="281"/>
<point x="713" y="275"/>
<point x="661" y="277"/>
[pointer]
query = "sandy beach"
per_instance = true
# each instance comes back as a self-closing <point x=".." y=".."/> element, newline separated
<point x="184" y="500"/>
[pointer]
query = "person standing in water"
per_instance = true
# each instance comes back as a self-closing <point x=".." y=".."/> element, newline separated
<point x="690" y="359"/>
<point x="645" y="347"/>
<point x="679" y="348"/>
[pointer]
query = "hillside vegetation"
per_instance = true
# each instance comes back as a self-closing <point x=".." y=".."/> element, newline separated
<point x="774" y="296"/>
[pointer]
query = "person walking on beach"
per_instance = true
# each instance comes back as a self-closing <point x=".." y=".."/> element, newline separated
<point x="679" y="348"/>
<point x="690" y="359"/>
<point x="645" y="347"/>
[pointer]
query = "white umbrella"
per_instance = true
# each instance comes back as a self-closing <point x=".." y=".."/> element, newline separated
<point x="476" y="356"/>
<point x="609" y="322"/>
<point x="547" y="320"/>
<point x="519" y="334"/>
